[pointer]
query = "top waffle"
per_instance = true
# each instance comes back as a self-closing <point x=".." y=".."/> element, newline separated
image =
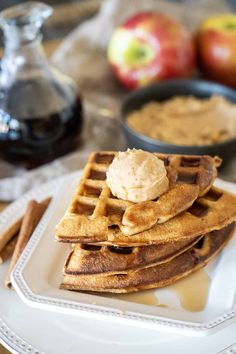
<point x="213" y="211"/>
<point x="94" y="210"/>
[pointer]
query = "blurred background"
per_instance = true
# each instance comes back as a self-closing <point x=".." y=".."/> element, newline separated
<point x="75" y="37"/>
<point x="66" y="16"/>
<point x="60" y="26"/>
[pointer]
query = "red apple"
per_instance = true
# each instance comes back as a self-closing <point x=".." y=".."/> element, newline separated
<point x="216" y="43"/>
<point x="149" y="47"/>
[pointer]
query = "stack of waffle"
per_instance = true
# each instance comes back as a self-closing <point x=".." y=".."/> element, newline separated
<point x="119" y="246"/>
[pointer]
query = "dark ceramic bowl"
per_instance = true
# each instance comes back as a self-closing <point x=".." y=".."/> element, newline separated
<point x="164" y="91"/>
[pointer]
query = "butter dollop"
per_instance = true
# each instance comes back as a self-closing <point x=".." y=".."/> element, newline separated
<point x="137" y="176"/>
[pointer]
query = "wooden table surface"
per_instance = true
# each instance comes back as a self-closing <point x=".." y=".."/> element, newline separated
<point x="56" y="28"/>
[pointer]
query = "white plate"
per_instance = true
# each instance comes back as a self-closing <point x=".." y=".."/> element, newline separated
<point x="37" y="277"/>
<point x="24" y="329"/>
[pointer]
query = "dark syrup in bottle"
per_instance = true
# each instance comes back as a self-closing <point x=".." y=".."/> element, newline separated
<point x="31" y="139"/>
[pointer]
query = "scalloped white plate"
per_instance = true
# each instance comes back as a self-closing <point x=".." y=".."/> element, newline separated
<point x="37" y="276"/>
<point x="24" y="329"/>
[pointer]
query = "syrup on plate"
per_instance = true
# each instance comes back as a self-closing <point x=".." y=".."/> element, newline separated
<point x="192" y="292"/>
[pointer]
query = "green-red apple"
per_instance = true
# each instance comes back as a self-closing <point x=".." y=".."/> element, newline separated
<point x="149" y="47"/>
<point x="216" y="43"/>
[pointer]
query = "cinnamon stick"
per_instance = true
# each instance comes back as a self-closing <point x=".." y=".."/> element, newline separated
<point x="33" y="214"/>
<point x="10" y="233"/>
<point x="8" y="250"/>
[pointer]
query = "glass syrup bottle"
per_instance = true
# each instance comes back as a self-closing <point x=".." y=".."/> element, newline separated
<point x="40" y="109"/>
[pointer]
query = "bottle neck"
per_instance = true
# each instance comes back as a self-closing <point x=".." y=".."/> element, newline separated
<point x="16" y="36"/>
<point x="23" y="54"/>
<point x="22" y="23"/>
<point x="23" y="57"/>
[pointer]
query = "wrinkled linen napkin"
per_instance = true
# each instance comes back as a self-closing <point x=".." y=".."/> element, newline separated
<point x="82" y="56"/>
<point x="20" y="181"/>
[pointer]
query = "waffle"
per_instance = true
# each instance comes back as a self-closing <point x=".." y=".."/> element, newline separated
<point x="94" y="209"/>
<point x="154" y="277"/>
<point x="215" y="210"/>
<point x="93" y="259"/>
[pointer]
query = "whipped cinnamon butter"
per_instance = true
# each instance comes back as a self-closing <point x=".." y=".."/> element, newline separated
<point x="137" y="176"/>
<point x="186" y="120"/>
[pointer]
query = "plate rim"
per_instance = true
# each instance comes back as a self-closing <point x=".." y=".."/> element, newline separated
<point x="9" y="338"/>
<point x="62" y="305"/>
<point x="16" y="344"/>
